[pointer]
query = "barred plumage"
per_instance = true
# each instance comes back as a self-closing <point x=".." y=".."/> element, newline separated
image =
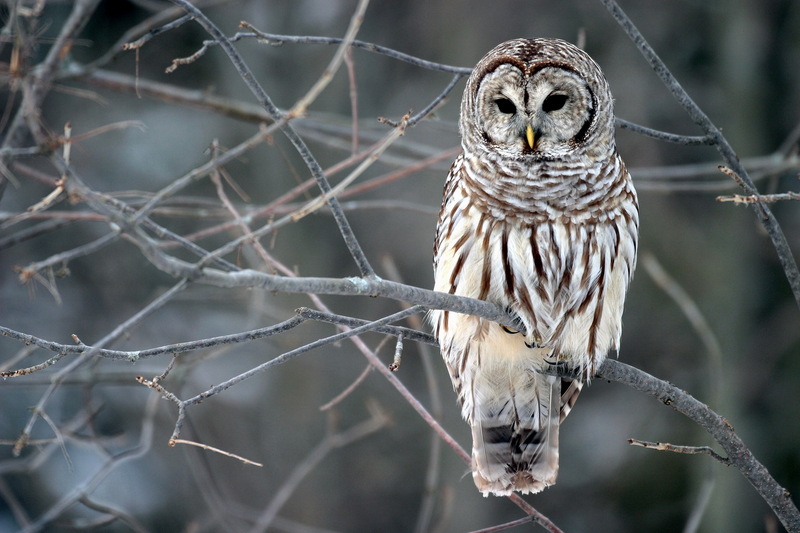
<point x="540" y="216"/>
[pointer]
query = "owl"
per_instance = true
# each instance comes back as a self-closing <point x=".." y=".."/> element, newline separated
<point x="540" y="217"/>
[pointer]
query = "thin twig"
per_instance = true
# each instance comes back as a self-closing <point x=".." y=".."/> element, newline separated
<point x="688" y="140"/>
<point x="300" y="108"/>
<point x="351" y="79"/>
<point x="701" y="503"/>
<point x="760" y="198"/>
<point x="348" y="390"/>
<point x="182" y="404"/>
<point x="667" y="447"/>
<point x="215" y="450"/>
<point x="428" y="109"/>
<point x="503" y="527"/>
<point x="132" y="356"/>
<point x="318" y="202"/>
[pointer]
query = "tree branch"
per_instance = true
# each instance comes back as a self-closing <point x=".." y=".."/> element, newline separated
<point x="283" y="122"/>
<point x="730" y="157"/>
<point x="738" y="454"/>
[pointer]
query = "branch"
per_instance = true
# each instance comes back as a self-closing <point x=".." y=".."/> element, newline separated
<point x="283" y="122"/>
<point x="38" y="83"/>
<point x="765" y="215"/>
<point x="117" y="332"/>
<point x="691" y="450"/>
<point x="664" y="136"/>
<point x="278" y="40"/>
<point x="759" y="198"/>
<point x="739" y="455"/>
<point x="374" y="287"/>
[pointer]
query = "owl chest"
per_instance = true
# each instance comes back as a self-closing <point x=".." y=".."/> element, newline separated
<point x="545" y="272"/>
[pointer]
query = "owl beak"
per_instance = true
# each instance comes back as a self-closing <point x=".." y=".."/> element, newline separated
<point x="530" y="136"/>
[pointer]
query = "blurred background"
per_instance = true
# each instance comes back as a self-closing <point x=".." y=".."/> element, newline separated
<point x="99" y="457"/>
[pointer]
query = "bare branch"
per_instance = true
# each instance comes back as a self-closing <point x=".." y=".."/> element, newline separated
<point x="739" y="455"/>
<point x="759" y="198"/>
<point x="133" y="356"/>
<point x="765" y="216"/>
<point x="282" y="121"/>
<point x="695" y="317"/>
<point x="173" y="442"/>
<point x="277" y="40"/>
<point x="503" y="527"/>
<point x="664" y="136"/>
<point x="301" y="106"/>
<point x="667" y="447"/>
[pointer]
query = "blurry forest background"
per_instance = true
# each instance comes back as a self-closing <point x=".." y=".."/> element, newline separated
<point x="98" y="455"/>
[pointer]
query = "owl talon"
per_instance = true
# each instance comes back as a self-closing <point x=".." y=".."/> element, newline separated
<point x="519" y="325"/>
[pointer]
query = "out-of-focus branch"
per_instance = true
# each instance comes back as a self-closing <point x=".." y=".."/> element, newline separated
<point x="101" y="472"/>
<point x="332" y="441"/>
<point x="38" y="83"/>
<point x="283" y="122"/>
<point x="719" y="141"/>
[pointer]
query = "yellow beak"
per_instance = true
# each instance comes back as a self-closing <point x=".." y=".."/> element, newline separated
<point x="530" y="136"/>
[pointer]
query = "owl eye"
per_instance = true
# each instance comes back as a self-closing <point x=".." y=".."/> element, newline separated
<point x="504" y="105"/>
<point x="554" y="102"/>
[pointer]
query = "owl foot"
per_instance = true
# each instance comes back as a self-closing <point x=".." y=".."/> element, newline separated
<point x="518" y="324"/>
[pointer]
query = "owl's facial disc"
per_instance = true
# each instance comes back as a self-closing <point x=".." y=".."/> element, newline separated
<point x="542" y="114"/>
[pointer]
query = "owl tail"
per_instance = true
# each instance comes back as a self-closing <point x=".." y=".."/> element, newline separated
<point x="515" y="434"/>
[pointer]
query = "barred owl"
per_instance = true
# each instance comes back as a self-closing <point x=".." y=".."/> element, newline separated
<point x="540" y="217"/>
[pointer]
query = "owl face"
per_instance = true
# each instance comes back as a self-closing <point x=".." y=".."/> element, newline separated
<point x="537" y="99"/>
<point x="544" y="113"/>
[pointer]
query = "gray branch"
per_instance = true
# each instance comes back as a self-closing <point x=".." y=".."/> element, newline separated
<point x="738" y="454"/>
<point x="763" y="212"/>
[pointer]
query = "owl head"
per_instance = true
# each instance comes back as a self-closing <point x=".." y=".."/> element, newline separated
<point x="538" y="100"/>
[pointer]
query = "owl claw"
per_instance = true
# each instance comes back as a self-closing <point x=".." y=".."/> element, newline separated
<point x="519" y="325"/>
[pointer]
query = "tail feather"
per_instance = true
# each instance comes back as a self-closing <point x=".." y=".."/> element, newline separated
<point x="570" y="389"/>
<point x="515" y="437"/>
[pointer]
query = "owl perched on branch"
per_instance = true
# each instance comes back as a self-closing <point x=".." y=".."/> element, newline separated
<point x="539" y="216"/>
